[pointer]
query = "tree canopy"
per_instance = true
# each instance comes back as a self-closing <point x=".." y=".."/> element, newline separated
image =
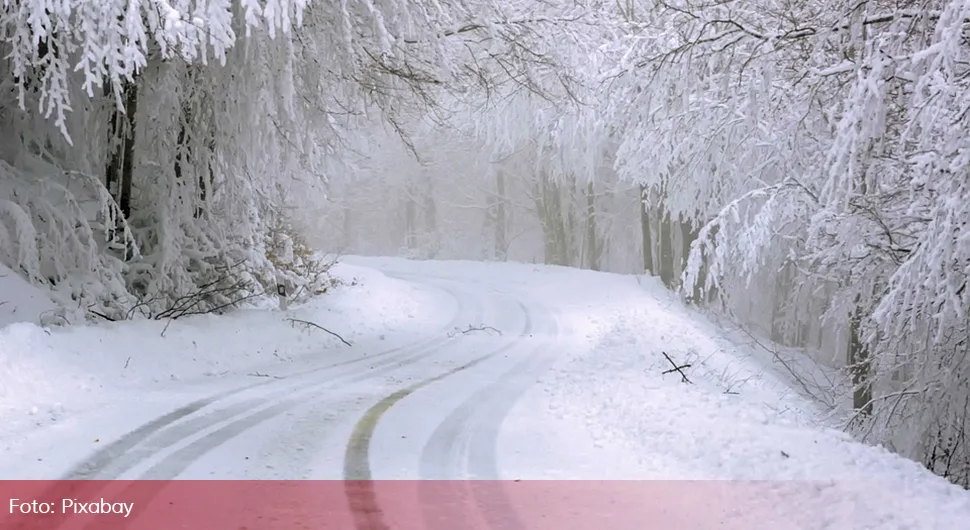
<point x="799" y="166"/>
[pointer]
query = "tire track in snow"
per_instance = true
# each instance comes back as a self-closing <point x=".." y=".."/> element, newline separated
<point x="482" y="413"/>
<point x="466" y="442"/>
<point x="176" y="463"/>
<point x="357" y="474"/>
<point x="111" y="461"/>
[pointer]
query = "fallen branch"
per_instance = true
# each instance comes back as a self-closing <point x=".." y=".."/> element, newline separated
<point x="309" y="324"/>
<point x="211" y="297"/>
<point x="795" y="375"/>
<point x="102" y="315"/>
<point x="676" y="368"/>
<point x="471" y="329"/>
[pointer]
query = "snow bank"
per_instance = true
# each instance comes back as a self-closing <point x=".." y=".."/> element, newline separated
<point x="48" y="373"/>
<point x="20" y="301"/>
<point x="745" y="426"/>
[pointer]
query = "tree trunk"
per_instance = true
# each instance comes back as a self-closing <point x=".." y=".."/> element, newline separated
<point x="183" y="159"/>
<point x="501" y="223"/>
<point x="112" y="169"/>
<point x="592" y="242"/>
<point x="666" y="250"/>
<point x="203" y="186"/>
<point x="430" y="220"/>
<point x="778" y="305"/>
<point x="410" y="217"/>
<point x="489" y="248"/>
<point x="127" y="163"/>
<point x="858" y="362"/>
<point x="645" y="228"/>
<point x="118" y="171"/>
<point x="550" y="213"/>
<point x="567" y="233"/>
<point x="689" y="234"/>
<point x="181" y="150"/>
<point x="857" y="352"/>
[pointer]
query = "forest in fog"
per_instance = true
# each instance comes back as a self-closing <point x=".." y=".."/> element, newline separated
<point x="800" y="168"/>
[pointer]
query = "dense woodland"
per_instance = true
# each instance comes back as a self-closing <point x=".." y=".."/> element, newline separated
<point x="802" y="168"/>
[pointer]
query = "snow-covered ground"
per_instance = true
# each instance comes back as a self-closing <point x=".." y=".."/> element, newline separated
<point x="62" y="379"/>
<point x="463" y="370"/>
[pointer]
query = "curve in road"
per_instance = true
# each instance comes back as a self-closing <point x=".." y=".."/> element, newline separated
<point x="468" y="433"/>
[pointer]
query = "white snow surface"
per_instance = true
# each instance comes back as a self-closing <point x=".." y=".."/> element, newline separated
<point x="22" y="302"/>
<point x="581" y="394"/>
<point x="49" y="374"/>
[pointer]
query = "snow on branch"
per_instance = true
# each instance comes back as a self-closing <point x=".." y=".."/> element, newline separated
<point x="110" y="41"/>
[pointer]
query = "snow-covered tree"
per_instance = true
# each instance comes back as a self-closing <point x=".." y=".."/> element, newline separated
<point x="147" y="139"/>
<point x="820" y="145"/>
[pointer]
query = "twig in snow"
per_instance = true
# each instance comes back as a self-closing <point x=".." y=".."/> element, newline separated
<point x="730" y="382"/>
<point x="257" y="374"/>
<point x="126" y="363"/>
<point x="167" y="324"/>
<point x="798" y="377"/>
<point x="309" y="324"/>
<point x="678" y="369"/>
<point x="471" y="329"/>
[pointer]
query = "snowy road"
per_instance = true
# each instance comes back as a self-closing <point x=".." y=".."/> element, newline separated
<point x="457" y="370"/>
<point x="426" y="409"/>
